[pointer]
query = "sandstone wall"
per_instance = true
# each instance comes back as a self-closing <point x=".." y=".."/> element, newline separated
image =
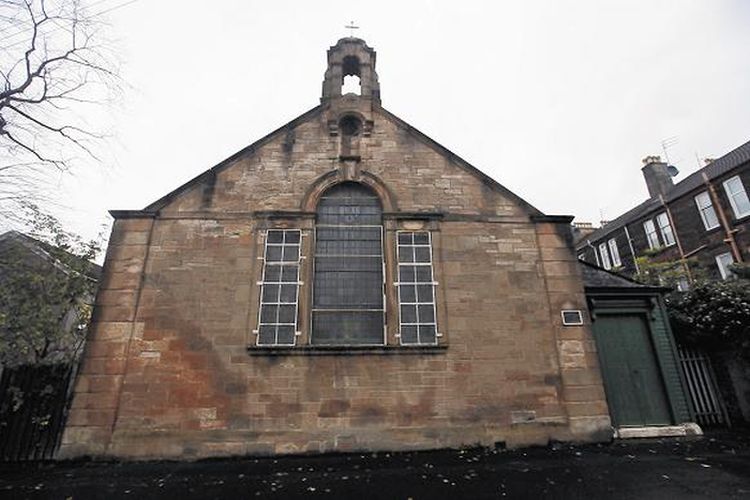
<point x="168" y="373"/>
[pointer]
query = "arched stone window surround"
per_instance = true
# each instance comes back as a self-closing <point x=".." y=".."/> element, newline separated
<point x="315" y="191"/>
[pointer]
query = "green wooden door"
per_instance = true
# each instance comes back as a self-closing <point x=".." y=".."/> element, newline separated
<point x="632" y="379"/>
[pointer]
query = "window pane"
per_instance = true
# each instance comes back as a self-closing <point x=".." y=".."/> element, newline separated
<point x="292" y="236"/>
<point x="604" y="256"/>
<point x="734" y="186"/>
<point x="666" y="229"/>
<point x="408" y="314"/>
<point x="406" y="254"/>
<point x="288" y="294"/>
<point x="286" y="314"/>
<point x="289" y="274"/>
<point x="743" y="204"/>
<point x="427" y="313"/>
<point x="706" y="210"/>
<point x="614" y="253"/>
<point x="422" y="254"/>
<point x="286" y="334"/>
<point x="272" y="273"/>
<point x="723" y="261"/>
<point x="405" y="238"/>
<point x="347" y="327"/>
<point x="348" y="241"/>
<point x="273" y="253"/>
<point x="291" y="253"/>
<point x="270" y="293"/>
<point x="710" y="218"/>
<point x="421" y="238"/>
<point x="275" y="236"/>
<point x="349" y="204"/>
<point x="427" y="334"/>
<point x="703" y="200"/>
<point x="650" y="229"/>
<point x="424" y="274"/>
<point x="409" y="334"/>
<point x="266" y="335"/>
<point x="424" y="293"/>
<point x="407" y="274"/>
<point x="268" y="313"/>
<point x="407" y="293"/>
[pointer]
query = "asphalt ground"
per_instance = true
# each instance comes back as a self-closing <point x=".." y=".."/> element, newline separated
<point x="714" y="466"/>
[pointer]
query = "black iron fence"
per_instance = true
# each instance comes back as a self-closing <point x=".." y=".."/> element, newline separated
<point x="33" y="407"/>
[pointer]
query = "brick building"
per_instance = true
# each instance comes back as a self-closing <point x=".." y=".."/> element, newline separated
<point x="344" y="283"/>
<point x="703" y="219"/>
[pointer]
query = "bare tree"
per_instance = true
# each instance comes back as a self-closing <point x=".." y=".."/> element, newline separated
<point x="56" y="66"/>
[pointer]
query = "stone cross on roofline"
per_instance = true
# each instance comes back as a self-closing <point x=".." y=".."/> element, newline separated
<point x="351" y="27"/>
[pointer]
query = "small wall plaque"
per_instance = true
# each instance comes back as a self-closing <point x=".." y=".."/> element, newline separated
<point x="571" y="317"/>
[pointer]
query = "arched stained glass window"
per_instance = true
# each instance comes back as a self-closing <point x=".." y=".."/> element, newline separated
<point x="348" y="304"/>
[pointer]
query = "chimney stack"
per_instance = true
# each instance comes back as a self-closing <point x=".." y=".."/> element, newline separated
<point x="658" y="180"/>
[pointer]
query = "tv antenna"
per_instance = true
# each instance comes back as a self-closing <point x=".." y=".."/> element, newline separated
<point x="665" y="145"/>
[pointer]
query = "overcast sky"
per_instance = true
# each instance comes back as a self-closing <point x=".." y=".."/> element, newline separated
<point x="558" y="101"/>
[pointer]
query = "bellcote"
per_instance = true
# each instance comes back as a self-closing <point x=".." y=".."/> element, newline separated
<point x="351" y="59"/>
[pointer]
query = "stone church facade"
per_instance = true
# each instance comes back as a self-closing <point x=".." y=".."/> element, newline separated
<point x="345" y="283"/>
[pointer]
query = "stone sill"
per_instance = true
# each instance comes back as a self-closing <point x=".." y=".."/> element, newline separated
<point x="335" y="350"/>
<point x="686" y="429"/>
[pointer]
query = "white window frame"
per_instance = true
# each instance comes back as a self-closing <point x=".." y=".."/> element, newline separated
<point x="577" y="319"/>
<point x="651" y="237"/>
<point x="723" y="265"/>
<point x="263" y="282"/>
<point x="417" y="303"/>
<point x="666" y="229"/>
<point x="606" y="264"/>
<point x="733" y="195"/>
<point x="705" y="205"/>
<point x="614" y="252"/>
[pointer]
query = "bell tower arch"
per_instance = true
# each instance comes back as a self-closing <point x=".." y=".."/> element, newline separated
<point x="351" y="57"/>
